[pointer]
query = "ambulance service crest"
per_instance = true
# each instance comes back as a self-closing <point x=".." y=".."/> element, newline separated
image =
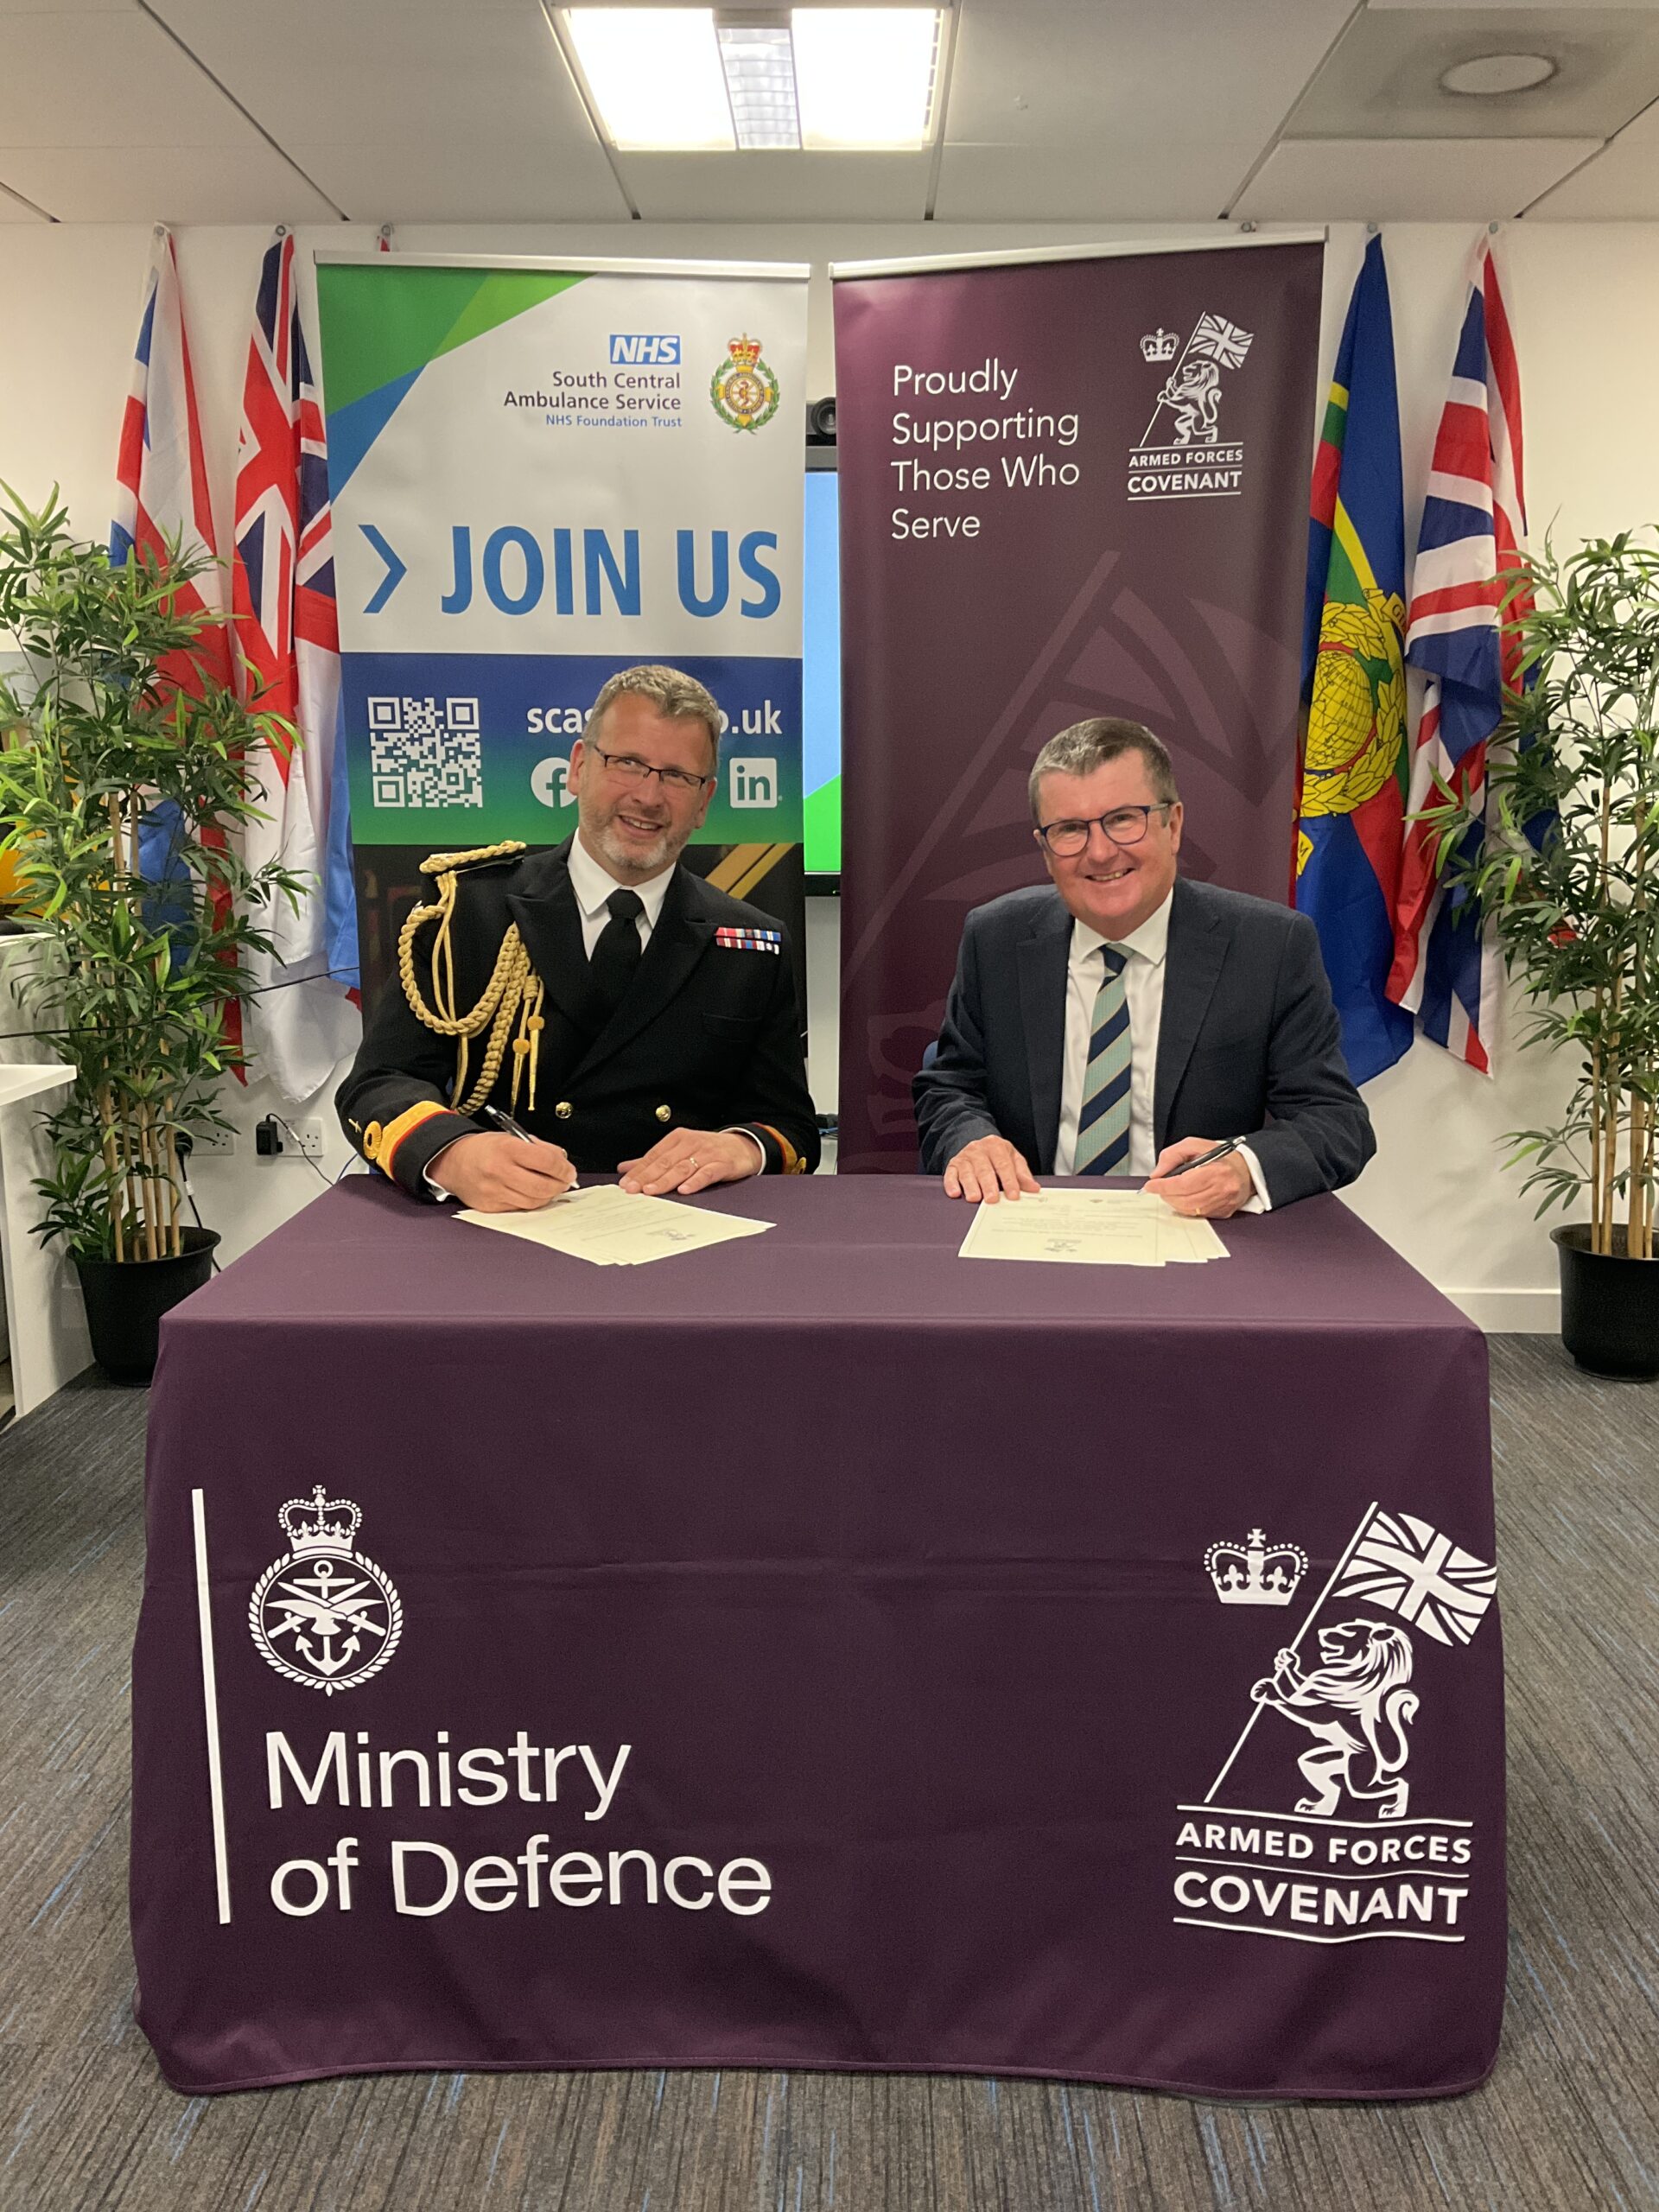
<point x="326" y="1616"/>
<point x="743" y="391"/>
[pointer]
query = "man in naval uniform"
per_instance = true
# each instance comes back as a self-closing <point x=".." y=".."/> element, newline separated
<point x="625" y="1013"/>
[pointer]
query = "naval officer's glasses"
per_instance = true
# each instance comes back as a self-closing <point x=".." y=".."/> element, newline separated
<point x="629" y="768"/>
<point x="1124" y="825"/>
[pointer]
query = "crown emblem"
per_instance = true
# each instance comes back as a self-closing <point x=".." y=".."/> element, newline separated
<point x="1158" y="344"/>
<point x="319" y="1523"/>
<point x="743" y="391"/>
<point x="1255" y="1572"/>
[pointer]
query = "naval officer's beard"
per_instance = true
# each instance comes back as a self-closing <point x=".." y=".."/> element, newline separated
<point x="632" y="858"/>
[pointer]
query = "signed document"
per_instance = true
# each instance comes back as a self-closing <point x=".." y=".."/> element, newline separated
<point x="617" y="1228"/>
<point x="1089" y="1228"/>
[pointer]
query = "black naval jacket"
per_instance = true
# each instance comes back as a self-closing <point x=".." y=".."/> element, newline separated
<point x="708" y="1036"/>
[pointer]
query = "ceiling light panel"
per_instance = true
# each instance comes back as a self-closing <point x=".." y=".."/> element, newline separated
<point x="866" y="76"/>
<point x="758" y="61"/>
<point x="654" y="76"/>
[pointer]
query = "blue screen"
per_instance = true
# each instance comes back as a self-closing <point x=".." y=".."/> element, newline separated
<point x="821" y="674"/>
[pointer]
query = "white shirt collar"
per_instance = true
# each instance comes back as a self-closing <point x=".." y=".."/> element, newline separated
<point x="593" y="885"/>
<point x="1150" y="941"/>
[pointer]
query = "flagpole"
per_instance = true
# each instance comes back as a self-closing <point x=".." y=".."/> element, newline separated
<point x="1255" y="1710"/>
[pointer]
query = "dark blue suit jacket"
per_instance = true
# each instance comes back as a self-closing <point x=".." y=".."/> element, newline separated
<point x="1248" y="1042"/>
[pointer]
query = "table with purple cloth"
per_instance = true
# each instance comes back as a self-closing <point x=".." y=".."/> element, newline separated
<point x="820" y="1650"/>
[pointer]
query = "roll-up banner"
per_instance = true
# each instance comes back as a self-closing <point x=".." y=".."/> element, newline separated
<point x="1072" y="485"/>
<point x="542" y="472"/>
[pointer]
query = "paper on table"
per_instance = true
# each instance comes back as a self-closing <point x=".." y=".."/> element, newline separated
<point x="1180" y="1236"/>
<point x="1121" y="1228"/>
<point x="617" y="1228"/>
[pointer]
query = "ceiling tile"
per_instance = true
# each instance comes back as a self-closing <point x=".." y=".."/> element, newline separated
<point x="1077" y="74"/>
<point x="375" y="183"/>
<point x="13" y="210"/>
<point x="991" y="184"/>
<point x="1111" y="109"/>
<point x="183" y="184"/>
<point x="1382" y="79"/>
<point x="105" y="120"/>
<point x="1621" y="184"/>
<point x="106" y="80"/>
<point x="1407" y="180"/>
<point x="778" y="188"/>
<point x="435" y="113"/>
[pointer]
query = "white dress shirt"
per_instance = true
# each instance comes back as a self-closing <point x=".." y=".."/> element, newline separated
<point x="1144" y="951"/>
<point x="592" y="886"/>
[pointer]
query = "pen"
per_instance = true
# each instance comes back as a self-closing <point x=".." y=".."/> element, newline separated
<point x="514" y="1130"/>
<point x="1200" y="1160"/>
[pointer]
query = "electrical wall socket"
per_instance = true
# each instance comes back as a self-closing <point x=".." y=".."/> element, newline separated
<point x="307" y="1140"/>
<point x="221" y="1141"/>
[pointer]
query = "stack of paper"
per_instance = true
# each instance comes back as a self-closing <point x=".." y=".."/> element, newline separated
<point x="1089" y="1228"/>
<point x="617" y="1228"/>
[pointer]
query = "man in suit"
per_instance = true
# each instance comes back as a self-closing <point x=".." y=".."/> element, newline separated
<point x="1124" y="1020"/>
<point x="625" y="1013"/>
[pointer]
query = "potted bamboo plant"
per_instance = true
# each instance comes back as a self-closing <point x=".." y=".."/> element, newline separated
<point x="120" y="797"/>
<point x="1570" y="876"/>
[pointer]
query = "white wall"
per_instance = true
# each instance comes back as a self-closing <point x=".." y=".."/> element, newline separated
<point x="1585" y="301"/>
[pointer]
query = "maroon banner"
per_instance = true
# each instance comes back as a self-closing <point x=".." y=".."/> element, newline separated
<point x="1067" y="488"/>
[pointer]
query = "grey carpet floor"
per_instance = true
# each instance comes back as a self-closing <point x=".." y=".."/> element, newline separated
<point x="1569" y="2121"/>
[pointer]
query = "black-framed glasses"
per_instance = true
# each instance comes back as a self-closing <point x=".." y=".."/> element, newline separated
<point x="629" y="768"/>
<point x="1124" y="825"/>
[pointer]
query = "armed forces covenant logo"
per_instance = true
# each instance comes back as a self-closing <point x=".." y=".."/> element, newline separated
<point x="1191" y="461"/>
<point x="1312" y="1830"/>
<point x="743" y="391"/>
<point x="326" y="1616"/>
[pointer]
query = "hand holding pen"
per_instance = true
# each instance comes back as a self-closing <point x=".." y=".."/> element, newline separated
<point x="1197" y="1177"/>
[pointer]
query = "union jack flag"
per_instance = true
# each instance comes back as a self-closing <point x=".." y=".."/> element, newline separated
<point x="161" y="492"/>
<point x="1401" y="1564"/>
<point x="287" y="652"/>
<point x="1447" y="967"/>
<point x="1220" y="341"/>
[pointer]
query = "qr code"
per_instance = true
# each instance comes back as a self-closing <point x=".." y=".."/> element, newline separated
<point x="425" y="753"/>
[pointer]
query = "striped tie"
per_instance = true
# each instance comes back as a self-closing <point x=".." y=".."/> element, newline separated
<point x="1104" y="1119"/>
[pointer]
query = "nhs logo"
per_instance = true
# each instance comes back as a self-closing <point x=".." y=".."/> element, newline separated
<point x="645" y="351"/>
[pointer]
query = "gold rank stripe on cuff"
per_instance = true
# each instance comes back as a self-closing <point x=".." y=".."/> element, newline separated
<point x="380" y="1141"/>
<point x="794" y="1162"/>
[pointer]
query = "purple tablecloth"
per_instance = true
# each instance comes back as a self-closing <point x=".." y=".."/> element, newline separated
<point x="820" y="1651"/>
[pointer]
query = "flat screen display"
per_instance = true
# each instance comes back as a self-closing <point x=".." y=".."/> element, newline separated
<point x="821" y="674"/>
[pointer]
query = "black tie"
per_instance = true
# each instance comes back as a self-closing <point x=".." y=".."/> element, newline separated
<point x="616" y="955"/>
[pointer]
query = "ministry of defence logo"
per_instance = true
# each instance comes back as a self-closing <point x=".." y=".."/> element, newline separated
<point x="326" y="1616"/>
<point x="1181" y="455"/>
<point x="743" y="391"/>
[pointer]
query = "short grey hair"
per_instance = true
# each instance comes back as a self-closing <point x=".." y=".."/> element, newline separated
<point x="681" y="698"/>
<point x="1088" y="746"/>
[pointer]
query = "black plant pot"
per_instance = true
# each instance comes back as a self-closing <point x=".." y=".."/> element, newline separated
<point x="125" y="1302"/>
<point x="1610" y="1307"/>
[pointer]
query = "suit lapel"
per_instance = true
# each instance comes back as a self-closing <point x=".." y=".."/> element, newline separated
<point x="1192" y="963"/>
<point x="549" y="922"/>
<point x="681" y="938"/>
<point x="1042" y="958"/>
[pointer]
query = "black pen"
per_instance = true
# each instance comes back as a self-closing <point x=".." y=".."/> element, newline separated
<point x="505" y="1122"/>
<point x="1200" y="1160"/>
